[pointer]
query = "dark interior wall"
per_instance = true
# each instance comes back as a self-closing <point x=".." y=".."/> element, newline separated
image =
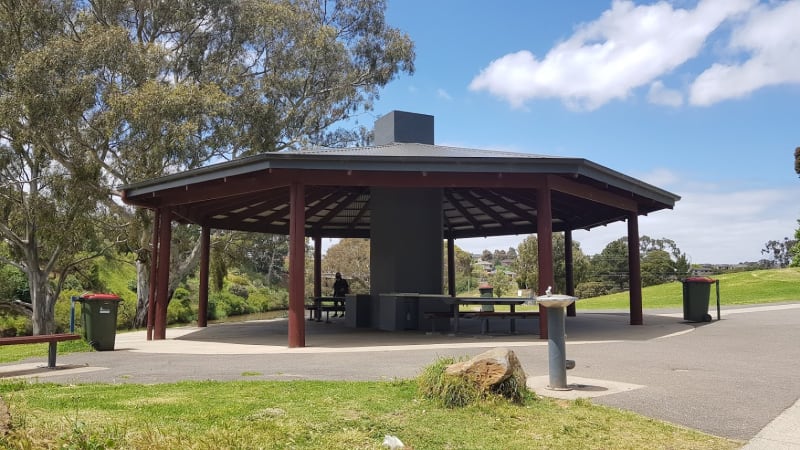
<point x="406" y="253"/>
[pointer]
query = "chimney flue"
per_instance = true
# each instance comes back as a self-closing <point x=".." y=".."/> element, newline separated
<point x="405" y="127"/>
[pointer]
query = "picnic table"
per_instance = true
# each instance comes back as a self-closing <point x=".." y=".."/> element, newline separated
<point x="456" y="302"/>
<point x="326" y="305"/>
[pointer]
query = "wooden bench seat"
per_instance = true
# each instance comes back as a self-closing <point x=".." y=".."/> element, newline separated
<point x="52" y="339"/>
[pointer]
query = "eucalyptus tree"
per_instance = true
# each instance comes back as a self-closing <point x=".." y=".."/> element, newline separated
<point x="797" y="160"/>
<point x="610" y="266"/>
<point x="527" y="263"/>
<point x="165" y="86"/>
<point x="49" y="208"/>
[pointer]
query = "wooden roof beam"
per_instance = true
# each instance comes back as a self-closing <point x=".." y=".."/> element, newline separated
<point x="561" y="184"/>
<point x="342" y="205"/>
<point x="467" y="195"/>
<point x="358" y="217"/>
<point x="457" y="205"/>
<point x="521" y="213"/>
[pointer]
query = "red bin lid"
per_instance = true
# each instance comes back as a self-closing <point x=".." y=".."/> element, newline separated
<point x="699" y="280"/>
<point x="100" y="297"/>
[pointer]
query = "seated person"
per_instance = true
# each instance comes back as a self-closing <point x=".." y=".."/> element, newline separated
<point x="340" y="286"/>
<point x="340" y="289"/>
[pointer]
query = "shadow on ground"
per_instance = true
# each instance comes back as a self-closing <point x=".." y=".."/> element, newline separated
<point x="585" y="327"/>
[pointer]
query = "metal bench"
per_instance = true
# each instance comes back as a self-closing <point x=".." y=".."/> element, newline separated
<point x="52" y="339"/>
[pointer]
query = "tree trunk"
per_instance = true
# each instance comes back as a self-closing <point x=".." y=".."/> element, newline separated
<point x="142" y="292"/>
<point x="43" y="301"/>
<point x="176" y="276"/>
<point x="271" y="270"/>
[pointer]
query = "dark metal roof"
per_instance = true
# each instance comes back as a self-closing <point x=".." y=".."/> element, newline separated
<point x="484" y="192"/>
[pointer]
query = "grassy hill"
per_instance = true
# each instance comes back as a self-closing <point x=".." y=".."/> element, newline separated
<point x="760" y="286"/>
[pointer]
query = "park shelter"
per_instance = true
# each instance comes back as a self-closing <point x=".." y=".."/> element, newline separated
<point x="404" y="193"/>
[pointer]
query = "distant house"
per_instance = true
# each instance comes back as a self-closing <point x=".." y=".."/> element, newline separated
<point x="508" y="262"/>
<point x="702" y="270"/>
<point x="486" y="266"/>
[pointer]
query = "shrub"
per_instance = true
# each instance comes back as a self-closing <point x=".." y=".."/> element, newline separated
<point x="278" y="299"/>
<point x="233" y="278"/>
<point x="14" y="325"/>
<point x="259" y="300"/>
<point x="591" y="289"/>
<point x="178" y="312"/>
<point x="224" y="304"/>
<point x="216" y="310"/>
<point x="239" y="290"/>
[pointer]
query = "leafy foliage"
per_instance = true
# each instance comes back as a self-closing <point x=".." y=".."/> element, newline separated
<point x="797" y="160"/>
<point x="101" y="94"/>
<point x="527" y="263"/>
<point x="780" y="252"/>
<point x="351" y="258"/>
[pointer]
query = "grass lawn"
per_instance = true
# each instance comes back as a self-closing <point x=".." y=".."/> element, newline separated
<point x="316" y="415"/>
<point x="345" y="415"/>
<point x="743" y="288"/>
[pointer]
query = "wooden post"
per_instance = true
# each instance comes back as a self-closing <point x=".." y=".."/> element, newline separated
<point x="451" y="267"/>
<point x="162" y="283"/>
<point x="151" y="294"/>
<point x="297" y="241"/>
<point x="635" y="270"/>
<point x="317" y="266"/>
<point x="544" y="233"/>
<point x="205" y="257"/>
<point x="569" y="266"/>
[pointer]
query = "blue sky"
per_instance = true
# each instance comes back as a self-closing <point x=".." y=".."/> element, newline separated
<point x="701" y="98"/>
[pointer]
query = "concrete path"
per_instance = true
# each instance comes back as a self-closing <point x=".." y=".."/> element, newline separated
<point x="737" y="377"/>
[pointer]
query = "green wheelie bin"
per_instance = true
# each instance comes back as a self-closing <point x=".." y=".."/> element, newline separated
<point x="696" y="293"/>
<point x="99" y="316"/>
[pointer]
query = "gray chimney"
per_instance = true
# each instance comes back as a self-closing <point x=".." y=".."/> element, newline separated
<point x="401" y="126"/>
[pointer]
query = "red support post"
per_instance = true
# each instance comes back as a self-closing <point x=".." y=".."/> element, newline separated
<point x="162" y="282"/>
<point x="297" y="241"/>
<point x="544" y="233"/>
<point x="151" y="294"/>
<point x="205" y="260"/>
<point x="634" y="270"/>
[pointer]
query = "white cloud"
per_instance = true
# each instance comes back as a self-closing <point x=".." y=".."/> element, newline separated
<point x="660" y="95"/>
<point x="627" y="47"/>
<point x="442" y="94"/>
<point x="771" y="37"/>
